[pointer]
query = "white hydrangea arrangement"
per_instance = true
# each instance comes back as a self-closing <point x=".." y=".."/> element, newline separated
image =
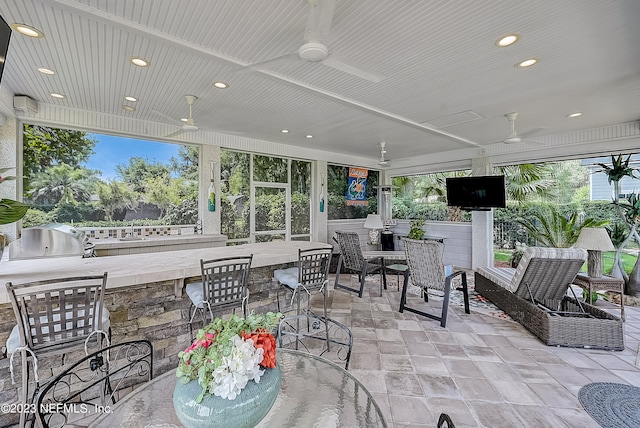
<point x="227" y="354"/>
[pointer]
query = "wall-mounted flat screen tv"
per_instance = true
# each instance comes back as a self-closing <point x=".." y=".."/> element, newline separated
<point x="479" y="193"/>
<point x="5" y="35"/>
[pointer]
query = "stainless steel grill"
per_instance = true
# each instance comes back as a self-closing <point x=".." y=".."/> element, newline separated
<point x="49" y="240"/>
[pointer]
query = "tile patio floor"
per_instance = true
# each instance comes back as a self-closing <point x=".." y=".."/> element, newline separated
<point x="482" y="371"/>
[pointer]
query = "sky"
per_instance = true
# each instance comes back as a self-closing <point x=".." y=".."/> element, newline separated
<point x="111" y="151"/>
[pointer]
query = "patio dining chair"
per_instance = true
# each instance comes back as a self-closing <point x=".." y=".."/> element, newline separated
<point x="85" y="388"/>
<point x="54" y="316"/>
<point x="426" y="270"/>
<point x="316" y="335"/>
<point x="311" y="274"/>
<point x="352" y="260"/>
<point x="223" y="287"/>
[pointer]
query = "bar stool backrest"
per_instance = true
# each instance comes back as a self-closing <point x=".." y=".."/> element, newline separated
<point x="225" y="281"/>
<point x="57" y="313"/>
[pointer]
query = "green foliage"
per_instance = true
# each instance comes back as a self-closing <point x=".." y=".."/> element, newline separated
<point x="550" y="228"/>
<point x="526" y="180"/>
<point x="199" y="362"/>
<point x="618" y="232"/>
<point x="631" y="209"/>
<point x="36" y="217"/>
<point x="186" y="212"/>
<point x="337" y="183"/>
<point x="416" y="231"/>
<point x="186" y="164"/>
<point x="137" y="171"/>
<point x="45" y="147"/>
<point x="63" y="183"/>
<point x="10" y="210"/>
<point x="74" y="212"/>
<point x="619" y="168"/>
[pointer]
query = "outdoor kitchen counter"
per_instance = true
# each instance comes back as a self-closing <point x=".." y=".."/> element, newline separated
<point x="148" y="267"/>
<point x="153" y="244"/>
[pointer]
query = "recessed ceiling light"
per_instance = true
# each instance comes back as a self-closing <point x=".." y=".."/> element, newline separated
<point x="576" y="114"/>
<point x="285" y="131"/>
<point x="140" y="62"/>
<point x="507" y="40"/>
<point x="527" y="63"/>
<point x="128" y="108"/>
<point x="56" y="95"/>
<point x="220" y="85"/>
<point x="184" y="119"/>
<point x="27" y="30"/>
<point x="46" y="71"/>
<point x="130" y="98"/>
<point x="309" y="136"/>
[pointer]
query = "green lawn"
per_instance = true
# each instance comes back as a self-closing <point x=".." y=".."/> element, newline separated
<point x="628" y="260"/>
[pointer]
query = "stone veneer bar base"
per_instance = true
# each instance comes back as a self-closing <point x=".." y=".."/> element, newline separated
<point x="149" y="311"/>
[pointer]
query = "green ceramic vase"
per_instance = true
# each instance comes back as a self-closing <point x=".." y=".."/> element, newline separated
<point x="246" y="410"/>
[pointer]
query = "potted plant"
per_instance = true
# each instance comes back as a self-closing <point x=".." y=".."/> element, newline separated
<point x="416" y="231"/>
<point x="230" y="369"/>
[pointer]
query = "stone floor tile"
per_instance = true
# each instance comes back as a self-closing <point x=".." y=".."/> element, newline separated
<point x="429" y="365"/>
<point x="365" y="361"/>
<point x="450" y="350"/>
<point x="497" y="371"/>
<point x="396" y="363"/>
<point x="409" y="410"/>
<point x="481" y="353"/>
<point x="411" y="336"/>
<point x="554" y="395"/>
<point x="538" y="416"/>
<point x="469" y="339"/>
<point x="395" y="348"/>
<point x="424" y="349"/>
<point x="494" y="415"/>
<point x="403" y="384"/>
<point x="477" y="389"/>
<point x="389" y="335"/>
<point x="385" y="323"/>
<point x="462" y="368"/>
<point x="409" y="325"/>
<point x="532" y="374"/>
<point x="457" y="410"/>
<point x="516" y="392"/>
<point x="575" y="418"/>
<point x="439" y="386"/>
<point x="373" y="380"/>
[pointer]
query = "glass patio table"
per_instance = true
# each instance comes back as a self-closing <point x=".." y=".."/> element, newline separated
<point x="313" y="392"/>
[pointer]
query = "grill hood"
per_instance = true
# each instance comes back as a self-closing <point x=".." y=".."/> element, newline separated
<point x="49" y="240"/>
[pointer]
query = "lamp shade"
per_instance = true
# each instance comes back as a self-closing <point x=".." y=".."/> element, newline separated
<point x="594" y="238"/>
<point x="373" y="222"/>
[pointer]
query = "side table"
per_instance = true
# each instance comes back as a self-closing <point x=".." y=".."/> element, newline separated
<point x="605" y="282"/>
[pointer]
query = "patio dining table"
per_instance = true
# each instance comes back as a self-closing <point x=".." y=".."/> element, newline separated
<point x="313" y="392"/>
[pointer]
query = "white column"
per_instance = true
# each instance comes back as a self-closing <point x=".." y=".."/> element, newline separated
<point x="319" y="219"/>
<point x="10" y="158"/>
<point x="481" y="223"/>
<point x="209" y="155"/>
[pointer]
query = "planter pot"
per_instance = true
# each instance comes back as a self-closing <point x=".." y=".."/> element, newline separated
<point x="246" y="410"/>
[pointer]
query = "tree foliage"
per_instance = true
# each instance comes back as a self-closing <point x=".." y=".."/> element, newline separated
<point x="136" y="171"/>
<point x="46" y="146"/>
<point x="63" y="183"/>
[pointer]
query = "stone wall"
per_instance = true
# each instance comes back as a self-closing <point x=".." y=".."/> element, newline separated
<point x="147" y="311"/>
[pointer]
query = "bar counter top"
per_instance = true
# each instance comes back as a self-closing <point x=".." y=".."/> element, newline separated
<point x="145" y="268"/>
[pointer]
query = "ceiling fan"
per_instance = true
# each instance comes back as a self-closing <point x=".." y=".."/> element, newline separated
<point x="513" y="135"/>
<point x="383" y="161"/>
<point x="189" y="125"/>
<point x="314" y="49"/>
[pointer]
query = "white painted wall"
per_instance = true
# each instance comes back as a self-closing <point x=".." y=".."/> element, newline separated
<point x="457" y="242"/>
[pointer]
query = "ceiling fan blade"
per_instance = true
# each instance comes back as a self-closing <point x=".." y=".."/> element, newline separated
<point x="175" y="134"/>
<point x="164" y="116"/>
<point x="348" y="66"/>
<point x="532" y="132"/>
<point x="260" y="64"/>
<point x="319" y="20"/>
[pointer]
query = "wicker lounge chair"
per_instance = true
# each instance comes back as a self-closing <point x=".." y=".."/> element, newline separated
<point x="535" y="295"/>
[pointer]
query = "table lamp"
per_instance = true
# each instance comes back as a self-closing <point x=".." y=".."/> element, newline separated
<point x="595" y="240"/>
<point x="373" y="222"/>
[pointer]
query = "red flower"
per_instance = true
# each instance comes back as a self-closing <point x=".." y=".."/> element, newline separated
<point x="265" y="340"/>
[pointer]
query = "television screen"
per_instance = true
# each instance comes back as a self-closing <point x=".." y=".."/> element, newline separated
<point x="476" y="193"/>
<point x="5" y="35"/>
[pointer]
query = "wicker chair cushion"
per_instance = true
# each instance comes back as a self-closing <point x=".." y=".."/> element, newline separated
<point x="13" y="342"/>
<point x="544" y="253"/>
<point x="288" y="277"/>
<point x="500" y="276"/>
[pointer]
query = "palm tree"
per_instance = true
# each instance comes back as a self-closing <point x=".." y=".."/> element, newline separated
<point x="551" y="229"/>
<point x="524" y="180"/>
<point x="62" y="184"/>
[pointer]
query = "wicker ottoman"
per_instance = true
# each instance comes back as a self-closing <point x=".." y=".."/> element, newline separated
<point x="594" y="329"/>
